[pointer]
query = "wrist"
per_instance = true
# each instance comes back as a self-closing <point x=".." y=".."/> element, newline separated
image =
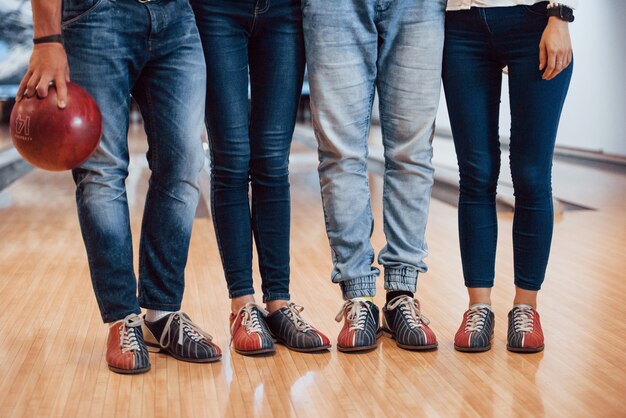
<point x="46" y="30"/>
<point x="554" y="20"/>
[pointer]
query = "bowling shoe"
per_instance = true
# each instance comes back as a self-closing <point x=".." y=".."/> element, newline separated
<point x="525" y="334"/>
<point x="404" y="322"/>
<point x="177" y="335"/>
<point x="360" y="326"/>
<point x="126" y="350"/>
<point x="249" y="331"/>
<point x="476" y="331"/>
<point x="290" y="329"/>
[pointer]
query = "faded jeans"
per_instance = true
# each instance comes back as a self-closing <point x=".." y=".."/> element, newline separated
<point x="355" y="47"/>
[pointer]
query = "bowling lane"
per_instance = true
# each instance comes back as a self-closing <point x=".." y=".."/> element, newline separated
<point x="5" y="137"/>
<point x="52" y="342"/>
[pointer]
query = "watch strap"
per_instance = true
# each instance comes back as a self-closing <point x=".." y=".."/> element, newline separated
<point x="56" y="38"/>
<point x="562" y="12"/>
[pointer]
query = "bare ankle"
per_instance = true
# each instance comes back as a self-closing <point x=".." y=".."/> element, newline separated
<point x="479" y="295"/>
<point x="525" y="297"/>
<point x="237" y="303"/>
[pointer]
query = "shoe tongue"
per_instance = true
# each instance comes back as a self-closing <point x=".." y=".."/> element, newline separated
<point x="157" y="327"/>
<point x="253" y="306"/>
<point x="523" y="306"/>
<point x="282" y="310"/>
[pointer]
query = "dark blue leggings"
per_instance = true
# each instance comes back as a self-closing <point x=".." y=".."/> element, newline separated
<point x="479" y="43"/>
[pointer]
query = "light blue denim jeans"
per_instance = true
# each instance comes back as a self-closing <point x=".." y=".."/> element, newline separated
<point x="353" y="48"/>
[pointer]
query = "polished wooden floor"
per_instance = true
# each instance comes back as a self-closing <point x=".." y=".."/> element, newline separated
<point x="52" y="340"/>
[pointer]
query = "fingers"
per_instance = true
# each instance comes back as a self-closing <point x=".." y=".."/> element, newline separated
<point x="543" y="55"/>
<point x="61" y="88"/>
<point x="48" y="64"/>
<point x="22" y="87"/>
<point x="35" y="83"/>
<point x="562" y="59"/>
<point x="551" y="65"/>
<point x="42" y="86"/>
<point x="31" y="85"/>
<point x="570" y="57"/>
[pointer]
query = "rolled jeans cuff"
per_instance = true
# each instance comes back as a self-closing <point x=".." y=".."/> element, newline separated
<point x="276" y="296"/>
<point x="359" y="287"/>
<point x="403" y="278"/>
<point x="109" y="318"/>
<point x="240" y="293"/>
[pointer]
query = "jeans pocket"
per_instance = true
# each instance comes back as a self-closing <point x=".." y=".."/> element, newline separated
<point x="75" y="11"/>
<point x="540" y="9"/>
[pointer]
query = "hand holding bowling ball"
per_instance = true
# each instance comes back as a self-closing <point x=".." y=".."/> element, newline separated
<point x="57" y="139"/>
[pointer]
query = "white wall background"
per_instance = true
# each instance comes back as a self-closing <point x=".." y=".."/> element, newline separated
<point x="594" y="116"/>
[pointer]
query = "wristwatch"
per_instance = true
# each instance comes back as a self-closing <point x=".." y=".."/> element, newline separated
<point x="562" y="12"/>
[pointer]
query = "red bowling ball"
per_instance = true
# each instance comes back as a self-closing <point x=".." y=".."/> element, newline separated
<point x="57" y="139"/>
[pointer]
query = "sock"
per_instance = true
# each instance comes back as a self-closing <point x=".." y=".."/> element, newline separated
<point x="392" y="294"/>
<point x="154" y="315"/>
<point x="367" y="298"/>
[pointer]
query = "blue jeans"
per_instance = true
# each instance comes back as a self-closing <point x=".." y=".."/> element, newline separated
<point x="153" y="51"/>
<point x="479" y="43"/>
<point x="260" y="41"/>
<point x="353" y="48"/>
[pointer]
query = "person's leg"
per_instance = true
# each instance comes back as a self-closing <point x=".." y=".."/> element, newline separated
<point x="100" y="192"/>
<point x="535" y="109"/>
<point x="409" y="72"/>
<point x="536" y="106"/>
<point x="472" y="77"/>
<point x="170" y="94"/>
<point x="225" y="29"/>
<point x="276" y="56"/>
<point x="341" y="45"/>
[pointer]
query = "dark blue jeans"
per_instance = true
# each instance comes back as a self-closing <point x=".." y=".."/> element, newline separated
<point x="260" y="41"/>
<point x="479" y="43"/>
<point x="152" y="50"/>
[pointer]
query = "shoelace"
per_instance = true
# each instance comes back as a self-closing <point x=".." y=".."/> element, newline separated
<point x="410" y="309"/>
<point x="357" y="313"/>
<point x="523" y="318"/>
<point x="185" y="327"/>
<point x="293" y="313"/>
<point x="128" y="337"/>
<point x="250" y="319"/>
<point x="476" y="318"/>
